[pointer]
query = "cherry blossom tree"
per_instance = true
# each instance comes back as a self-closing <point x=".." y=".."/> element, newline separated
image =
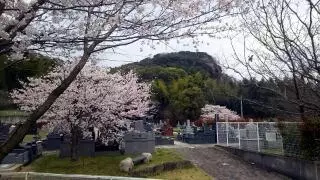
<point x="95" y="98"/>
<point x="78" y="29"/>
<point x="209" y="111"/>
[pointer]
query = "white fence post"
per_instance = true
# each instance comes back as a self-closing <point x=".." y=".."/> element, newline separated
<point x="227" y="132"/>
<point x="258" y="137"/>
<point x="239" y="134"/>
<point x="217" y="131"/>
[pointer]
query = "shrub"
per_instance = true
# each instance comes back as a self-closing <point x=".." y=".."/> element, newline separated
<point x="310" y="138"/>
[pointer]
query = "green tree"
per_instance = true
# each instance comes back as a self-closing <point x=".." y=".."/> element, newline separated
<point x="13" y="73"/>
<point x="180" y="99"/>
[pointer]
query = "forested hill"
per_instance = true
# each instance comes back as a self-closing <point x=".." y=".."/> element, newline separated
<point x="190" y="62"/>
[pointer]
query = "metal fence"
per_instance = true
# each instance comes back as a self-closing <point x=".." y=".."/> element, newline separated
<point x="263" y="137"/>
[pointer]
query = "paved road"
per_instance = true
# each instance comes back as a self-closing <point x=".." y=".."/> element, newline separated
<point x="224" y="166"/>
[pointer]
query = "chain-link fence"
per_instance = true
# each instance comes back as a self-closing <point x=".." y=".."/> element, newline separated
<point x="266" y="137"/>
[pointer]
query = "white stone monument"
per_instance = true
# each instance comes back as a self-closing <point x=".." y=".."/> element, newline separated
<point x="189" y="129"/>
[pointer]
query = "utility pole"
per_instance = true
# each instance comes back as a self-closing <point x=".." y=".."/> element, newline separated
<point x="245" y="59"/>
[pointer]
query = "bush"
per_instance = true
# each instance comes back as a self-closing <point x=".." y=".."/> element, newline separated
<point x="291" y="138"/>
<point x="302" y="140"/>
<point x="310" y="138"/>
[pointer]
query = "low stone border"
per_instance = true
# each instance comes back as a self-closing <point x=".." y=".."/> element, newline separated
<point x="157" y="169"/>
<point x="45" y="176"/>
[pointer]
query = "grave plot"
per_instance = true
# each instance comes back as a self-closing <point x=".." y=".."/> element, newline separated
<point x="197" y="135"/>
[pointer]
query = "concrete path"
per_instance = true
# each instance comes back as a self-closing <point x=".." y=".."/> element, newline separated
<point x="178" y="144"/>
<point x="10" y="167"/>
<point x="224" y="166"/>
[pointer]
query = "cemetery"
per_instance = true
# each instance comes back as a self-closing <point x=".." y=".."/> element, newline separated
<point x="139" y="154"/>
<point x="96" y="88"/>
<point x="164" y="134"/>
<point x="22" y="154"/>
<point x="141" y="140"/>
<point x="197" y="135"/>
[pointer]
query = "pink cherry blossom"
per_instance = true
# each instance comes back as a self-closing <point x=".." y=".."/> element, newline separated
<point x="95" y="98"/>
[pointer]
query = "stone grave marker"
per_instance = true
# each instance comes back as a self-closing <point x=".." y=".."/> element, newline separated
<point x="139" y="141"/>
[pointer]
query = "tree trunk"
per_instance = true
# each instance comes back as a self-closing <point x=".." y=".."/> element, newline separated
<point x="75" y="132"/>
<point x="21" y="130"/>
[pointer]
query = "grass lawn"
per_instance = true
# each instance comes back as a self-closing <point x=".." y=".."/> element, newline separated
<point x="29" y="138"/>
<point x="192" y="173"/>
<point x="107" y="164"/>
<point x="160" y="156"/>
<point x="12" y="113"/>
<point x="273" y="151"/>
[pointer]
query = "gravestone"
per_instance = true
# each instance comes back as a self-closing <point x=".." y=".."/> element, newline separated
<point x="251" y="131"/>
<point x="86" y="147"/>
<point x="164" y="140"/>
<point x="206" y="127"/>
<point x="271" y="136"/>
<point x="53" y="141"/>
<point x="184" y="125"/>
<point x="273" y="140"/>
<point x="4" y="132"/>
<point x="188" y="129"/>
<point x="178" y="125"/>
<point x="139" y="126"/>
<point x="249" y="139"/>
<point x="205" y="135"/>
<point x="139" y="141"/>
<point x="161" y="123"/>
<point x="148" y="126"/>
<point x="24" y="154"/>
<point x="17" y="156"/>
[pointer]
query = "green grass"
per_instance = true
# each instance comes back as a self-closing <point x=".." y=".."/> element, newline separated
<point x="177" y="130"/>
<point x="12" y="113"/>
<point x="100" y="165"/>
<point x="192" y="173"/>
<point x="273" y="151"/>
<point x="28" y="138"/>
<point x="107" y="164"/>
<point x="161" y="156"/>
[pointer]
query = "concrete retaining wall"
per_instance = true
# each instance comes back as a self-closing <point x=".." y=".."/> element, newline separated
<point x="292" y="167"/>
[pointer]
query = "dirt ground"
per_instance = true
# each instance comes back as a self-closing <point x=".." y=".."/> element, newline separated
<point x="222" y="165"/>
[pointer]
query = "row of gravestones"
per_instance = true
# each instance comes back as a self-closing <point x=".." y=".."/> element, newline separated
<point x="57" y="141"/>
<point x="142" y="139"/>
<point x="253" y="139"/>
<point x="21" y="154"/>
<point x="164" y="134"/>
<point x="191" y="134"/>
<point x="24" y="154"/>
